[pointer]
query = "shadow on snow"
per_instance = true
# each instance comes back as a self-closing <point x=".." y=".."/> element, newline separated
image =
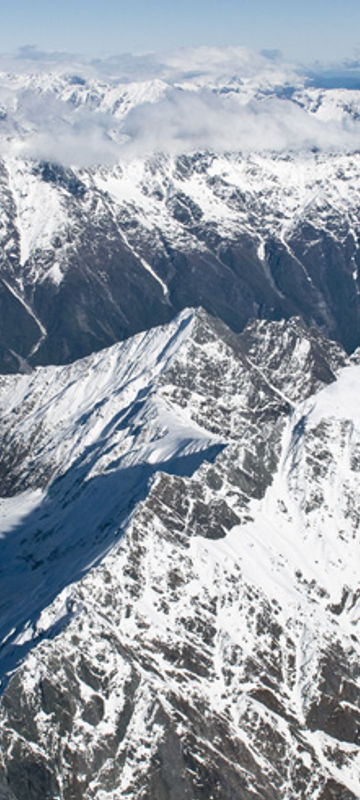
<point x="71" y="530"/>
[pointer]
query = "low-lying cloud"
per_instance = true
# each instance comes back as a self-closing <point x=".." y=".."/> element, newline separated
<point x="187" y="121"/>
<point x="81" y="112"/>
<point x="44" y="127"/>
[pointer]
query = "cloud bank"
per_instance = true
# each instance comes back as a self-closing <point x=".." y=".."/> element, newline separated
<point x="77" y="111"/>
<point x="188" y="121"/>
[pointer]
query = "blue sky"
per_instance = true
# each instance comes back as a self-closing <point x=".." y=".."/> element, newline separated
<point x="307" y="30"/>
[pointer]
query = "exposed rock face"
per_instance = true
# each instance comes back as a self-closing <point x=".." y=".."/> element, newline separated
<point x="121" y="249"/>
<point x="212" y="653"/>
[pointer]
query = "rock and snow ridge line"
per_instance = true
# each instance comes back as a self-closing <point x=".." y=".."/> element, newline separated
<point x="99" y="423"/>
<point x="217" y="642"/>
<point x="107" y="415"/>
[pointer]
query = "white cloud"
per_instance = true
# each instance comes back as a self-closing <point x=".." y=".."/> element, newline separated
<point x="188" y="120"/>
<point x="77" y="111"/>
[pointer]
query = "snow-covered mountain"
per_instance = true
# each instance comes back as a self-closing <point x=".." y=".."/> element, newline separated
<point x="126" y="198"/>
<point x="179" y="504"/>
<point x="92" y="256"/>
<point x="182" y="513"/>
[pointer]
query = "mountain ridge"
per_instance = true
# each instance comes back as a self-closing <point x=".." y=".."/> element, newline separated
<point x="215" y="644"/>
<point x="138" y="243"/>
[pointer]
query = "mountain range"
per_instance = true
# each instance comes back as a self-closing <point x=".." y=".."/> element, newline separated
<point x="180" y="438"/>
<point x="95" y="253"/>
